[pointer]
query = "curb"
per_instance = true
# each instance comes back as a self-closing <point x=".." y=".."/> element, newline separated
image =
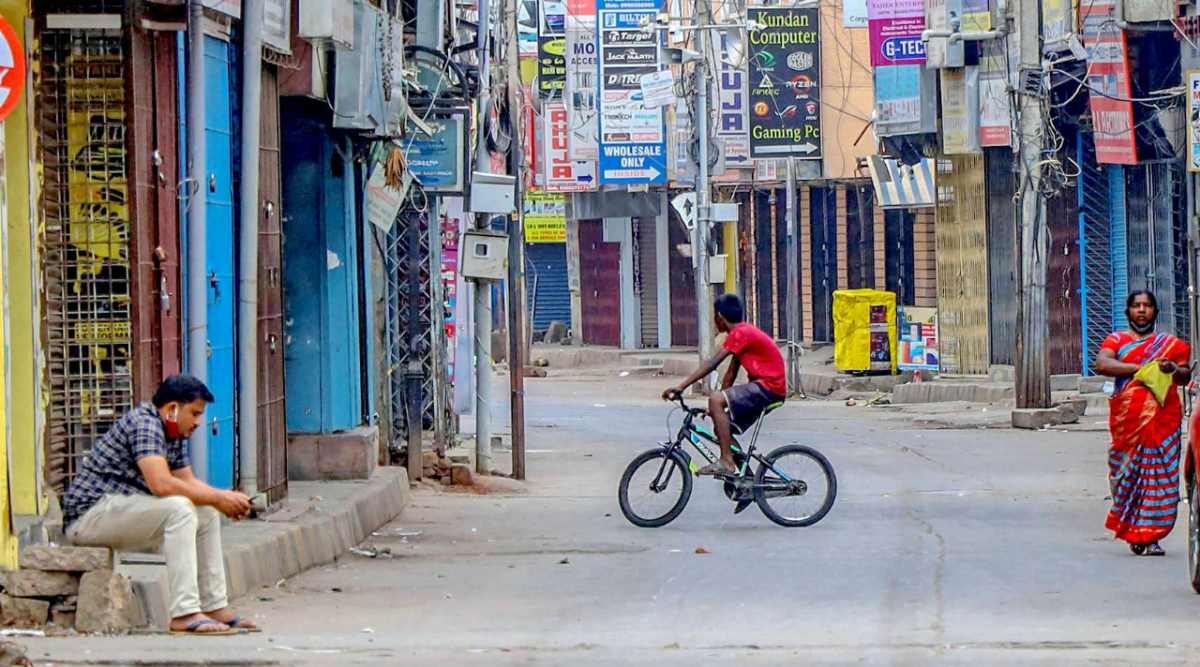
<point x="278" y="550"/>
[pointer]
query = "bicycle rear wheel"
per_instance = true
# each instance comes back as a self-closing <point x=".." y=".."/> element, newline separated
<point x="654" y="489"/>
<point x="795" y="486"/>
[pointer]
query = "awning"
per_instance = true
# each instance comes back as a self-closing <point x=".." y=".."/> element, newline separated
<point x="902" y="186"/>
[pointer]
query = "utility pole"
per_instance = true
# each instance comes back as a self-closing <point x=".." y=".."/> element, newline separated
<point x="700" y="234"/>
<point x="197" y="225"/>
<point x="793" y="272"/>
<point x="1033" y="378"/>
<point x="483" y="296"/>
<point x="247" y="395"/>
<point x="516" y="265"/>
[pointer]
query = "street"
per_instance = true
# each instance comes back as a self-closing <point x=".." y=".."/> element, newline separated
<point x="944" y="546"/>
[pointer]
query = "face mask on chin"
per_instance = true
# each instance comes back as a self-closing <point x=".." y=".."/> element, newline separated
<point x="172" y="424"/>
<point x="1143" y="329"/>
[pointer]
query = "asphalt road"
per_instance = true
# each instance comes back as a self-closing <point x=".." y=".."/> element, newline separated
<point x="945" y="546"/>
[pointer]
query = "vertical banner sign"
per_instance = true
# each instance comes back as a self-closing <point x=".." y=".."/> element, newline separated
<point x="895" y="32"/>
<point x="785" y="82"/>
<point x="733" y="126"/>
<point x="995" y="112"/>
<point x="580" y="90"/>
<point x="1193" y="120"/>
<point x="632" y="137"/>
<point x="562" y="174"/>
<point x="552" y="48"/>
<point x="960" y="110"/>
<point x="1108" y="71"/>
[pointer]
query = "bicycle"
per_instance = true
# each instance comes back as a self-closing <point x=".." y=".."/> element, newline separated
<point x="762" y="485"/>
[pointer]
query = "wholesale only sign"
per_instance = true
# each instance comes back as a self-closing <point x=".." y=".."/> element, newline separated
<point x="785" y="82"/>
<point x="633" y="147"/>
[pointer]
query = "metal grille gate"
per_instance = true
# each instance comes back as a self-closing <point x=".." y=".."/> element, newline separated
<point x="85" y="242"/>
<point x="1095" y="257"/>
<point x="414" y="330"/>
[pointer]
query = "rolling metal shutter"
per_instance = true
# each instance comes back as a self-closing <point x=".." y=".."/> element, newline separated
<point x="546" y="283"/>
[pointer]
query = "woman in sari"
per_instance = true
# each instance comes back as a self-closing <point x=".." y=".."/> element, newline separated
<point x="1144" y="419"/>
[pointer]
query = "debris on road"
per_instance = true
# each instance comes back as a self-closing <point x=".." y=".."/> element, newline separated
<point x="564" y="561"/>
<point x="702" y="551"/>
<point x="372" y="551"/>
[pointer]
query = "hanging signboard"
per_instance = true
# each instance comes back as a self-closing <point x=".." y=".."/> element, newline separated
<point x="905" y="100"/>
<point x="960" y="110"/>
<point x="733" y="125"/>
<point x="561" y="173"/>
<point x="895" y="31"/>
<point x="580" y="89"/>
<point x="552" y="48"/>
<point x="1108" y="72"/>
<point x="976" y="15"/>
<point x="785" y="82"/>
<point x="1193" y="120"/>
<point x="277" y="24"/>
<point x="995" y="112"/>
<point x="545" y="217"/>
<point x="438" y="162"/>
<point x="918" y="344"/>
<point x="854" y="13"/>
<point x="632" y="136"/>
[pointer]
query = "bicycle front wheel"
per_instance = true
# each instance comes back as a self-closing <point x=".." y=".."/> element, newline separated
<point x="654" y="489"/>
<point x="795" y="486"/>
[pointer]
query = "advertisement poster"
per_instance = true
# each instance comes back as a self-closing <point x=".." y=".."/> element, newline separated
<point x="580" y="89"/>
<point x="898" y="94"/>
<point x="995" y="111"/>
<point x="552" y="48"/>
<point x="632" y="136"/>
<point x="527" y="28"/>
<point x="785" y="81"/>
<point x="976" y="15"/>
<point x="560" y="172"/>
<point x="733" y="126"/>
<point x="1193" y="120"/>
<point x="1108" y="71"/>
<point x="918" y="344"/>
<point x="545" y="217"/>
<point x="960" y="110"/>
<point x="1056" y="21"/>
<point x="449" y="276"/>
<point x="895" y="31"/>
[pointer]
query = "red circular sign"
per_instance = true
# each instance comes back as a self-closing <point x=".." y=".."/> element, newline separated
<point x="12" y="69"/>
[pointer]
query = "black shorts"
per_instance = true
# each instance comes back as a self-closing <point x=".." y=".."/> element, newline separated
<point x="746" y="404"/>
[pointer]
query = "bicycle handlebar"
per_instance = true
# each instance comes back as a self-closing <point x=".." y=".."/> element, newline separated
<point x="678" y="398"/>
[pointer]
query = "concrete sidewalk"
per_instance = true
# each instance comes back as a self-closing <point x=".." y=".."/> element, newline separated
<point x="317" y="523"/>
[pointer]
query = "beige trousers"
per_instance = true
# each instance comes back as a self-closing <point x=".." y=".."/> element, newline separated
<point x="189" y="537"/>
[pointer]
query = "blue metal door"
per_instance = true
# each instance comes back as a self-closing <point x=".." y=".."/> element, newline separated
<point x="222" y="285"/>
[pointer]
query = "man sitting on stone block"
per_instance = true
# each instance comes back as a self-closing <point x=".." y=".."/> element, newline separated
<point x="136" y="491"/>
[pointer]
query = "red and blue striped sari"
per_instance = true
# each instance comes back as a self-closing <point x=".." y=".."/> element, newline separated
<point x="1143" y="460"/>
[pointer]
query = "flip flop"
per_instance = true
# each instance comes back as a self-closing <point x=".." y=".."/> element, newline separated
<point x="193" y="628"/>
<point x="236" y="624"/>
<point x="716" y="470"/>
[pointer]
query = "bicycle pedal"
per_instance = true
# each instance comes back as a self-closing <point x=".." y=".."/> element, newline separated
<point x="742" y="505"/>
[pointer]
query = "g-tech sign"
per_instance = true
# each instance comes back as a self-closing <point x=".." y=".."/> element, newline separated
<point x="908" y="49"/>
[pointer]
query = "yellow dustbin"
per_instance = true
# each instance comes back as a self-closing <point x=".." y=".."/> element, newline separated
<point x="864" y="330"/>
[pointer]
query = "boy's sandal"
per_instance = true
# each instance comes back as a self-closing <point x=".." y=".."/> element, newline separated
<point x="193" y="628"/>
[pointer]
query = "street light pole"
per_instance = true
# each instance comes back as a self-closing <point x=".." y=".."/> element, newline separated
<point x="700" y="234"/>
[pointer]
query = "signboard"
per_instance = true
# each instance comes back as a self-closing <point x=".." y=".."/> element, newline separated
<point x="632" y="136"/>
<point x="976" y="15"/>
<point x="12" y="69"/>
<point x="785" y="81"/>
<point x="995" y="110"/>
<point x="960" y="110"/>
<point x="854" y="13"/>
<point x="277" y="24"/>
<point x="545" y="217"/>
<point x="1056" y="21"/>
<point x="562" y="174"/>
<point x="383" y="203"/>
<point x="437" y="162"/>
<point x="918" y="344"/>
<point x="227" y="7"/>
<point x="528" y="16"/>
<point x="898" y="94"/>
<point x="580" y="89"/>
<point x="733" y="119"/>
<point x="895" y="31"/>
<point x="1108" y="71"/>
<point x="1193" y="121"/>
<point x="552" y="47"/>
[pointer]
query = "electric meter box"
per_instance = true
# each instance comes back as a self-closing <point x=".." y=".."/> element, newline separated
<point x="485" y="255"/>
<point x="493" y="193"/>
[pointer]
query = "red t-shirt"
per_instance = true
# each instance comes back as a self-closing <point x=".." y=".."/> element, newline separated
<point x="758" y="354"/>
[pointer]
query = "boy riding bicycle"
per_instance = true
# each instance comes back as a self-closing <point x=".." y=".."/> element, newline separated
<point x="738" y="407"/>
